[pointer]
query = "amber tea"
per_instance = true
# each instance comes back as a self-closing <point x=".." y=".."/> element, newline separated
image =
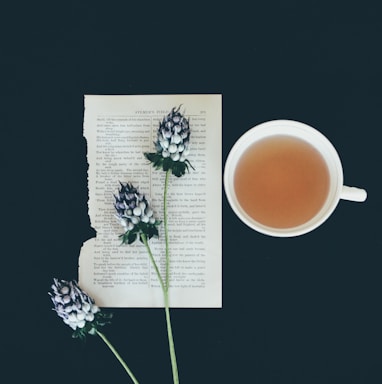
<point x="281" y="181"/>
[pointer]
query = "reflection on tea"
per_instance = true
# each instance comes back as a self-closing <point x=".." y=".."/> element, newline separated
<point x="281" y="181"/>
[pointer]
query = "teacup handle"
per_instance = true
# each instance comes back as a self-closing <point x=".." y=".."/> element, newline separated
<point x="353" y="194"/>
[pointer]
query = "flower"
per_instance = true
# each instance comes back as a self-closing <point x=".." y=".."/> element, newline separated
<point x="77" y="308"/>
<point x="173" y="144"/>
<point x="135" y="214"/>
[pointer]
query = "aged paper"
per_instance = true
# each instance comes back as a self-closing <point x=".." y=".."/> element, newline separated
<point x="118" y="130"/>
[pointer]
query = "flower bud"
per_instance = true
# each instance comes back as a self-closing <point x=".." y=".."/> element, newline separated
<point x="136" y="219"/>
<point x="173" y="139"/>
<point x="76" y="308"/>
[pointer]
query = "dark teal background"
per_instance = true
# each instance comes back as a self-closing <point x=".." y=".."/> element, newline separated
<point x="296" y="311"/>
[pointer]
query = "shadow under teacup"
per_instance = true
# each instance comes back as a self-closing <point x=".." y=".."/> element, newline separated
<point x="284" y="178"/>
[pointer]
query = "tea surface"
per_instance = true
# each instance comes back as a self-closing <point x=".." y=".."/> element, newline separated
<point x="281" y="181"/>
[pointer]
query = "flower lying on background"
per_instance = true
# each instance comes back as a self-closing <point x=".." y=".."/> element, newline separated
<point x="135" y="214"/>
<point x="79" y="311"/>
<point x="172" y="145"/>
<point x="76" y="308"/>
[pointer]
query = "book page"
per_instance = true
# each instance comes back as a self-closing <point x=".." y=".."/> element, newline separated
<point x="119" y="129"/>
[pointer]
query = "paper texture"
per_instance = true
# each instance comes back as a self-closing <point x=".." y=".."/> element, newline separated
<point x="118" y="130"/>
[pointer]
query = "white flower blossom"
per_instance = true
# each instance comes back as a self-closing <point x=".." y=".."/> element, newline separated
<point x="72" y="304"/>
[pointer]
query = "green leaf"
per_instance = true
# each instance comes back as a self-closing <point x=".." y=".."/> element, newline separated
<point x="167" y="163"/>
<point x="155" y="158"/>
<point x="178" y="168"/>
<point x="131" y="237"/>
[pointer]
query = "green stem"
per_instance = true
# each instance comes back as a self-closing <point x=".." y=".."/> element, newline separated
<point x="145" y="242"/>
<point x="166" y="298"/>
<point x="116" y="354"/>
<point x="171" y="342"/>
<point x="166" y="229"/>
<point x="167" y="311"/>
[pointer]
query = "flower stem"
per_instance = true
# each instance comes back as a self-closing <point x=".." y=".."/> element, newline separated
<point x="167" y="311"/>
<point x="167" y="286"/>
<point x="145" y="242"/>
<point x="171" y="341"/>
<point x="117" y="355"/>
<point x="166" y="229"/>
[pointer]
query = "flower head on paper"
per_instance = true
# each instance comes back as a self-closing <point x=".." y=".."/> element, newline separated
<point x="173" y="144"/>
<point x="135" y="214"/>
<point x="77" y="308"/>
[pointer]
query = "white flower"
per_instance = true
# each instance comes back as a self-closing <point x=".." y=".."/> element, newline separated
<point x="173" y="134"/>
<point x="134" y="213"/>
<point x="72" y="304"/>
<point x="172" y="144"/>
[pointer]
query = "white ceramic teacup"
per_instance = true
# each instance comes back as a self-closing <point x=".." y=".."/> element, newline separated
<point x="336" y="190"/>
